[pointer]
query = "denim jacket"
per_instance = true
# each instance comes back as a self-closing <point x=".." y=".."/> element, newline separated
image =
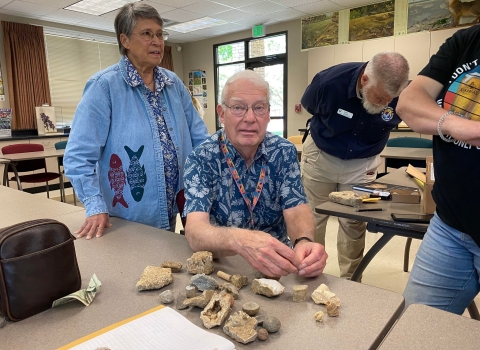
<point x="114" y="155"/>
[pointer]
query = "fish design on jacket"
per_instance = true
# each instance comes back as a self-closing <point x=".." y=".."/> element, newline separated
<point x="116" y="177"/>
<point x="136" y="176"/>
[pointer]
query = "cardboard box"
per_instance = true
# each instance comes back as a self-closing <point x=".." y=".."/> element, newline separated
<point x="429" y="205"/>
<point x="406" y="196"/>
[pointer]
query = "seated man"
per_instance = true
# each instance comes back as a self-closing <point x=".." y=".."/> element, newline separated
<point x="243" y="189"/>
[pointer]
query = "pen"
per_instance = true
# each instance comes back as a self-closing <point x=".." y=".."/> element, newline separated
<point x="372" y="209"/>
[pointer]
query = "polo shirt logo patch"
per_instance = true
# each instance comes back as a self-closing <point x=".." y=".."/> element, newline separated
<point x="343" y="112"/>
<point x="387" y="114"/>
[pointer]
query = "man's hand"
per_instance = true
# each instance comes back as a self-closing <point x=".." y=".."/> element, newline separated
<point x="312" y="257"/>
<point x="267" y="254"/>
<point x="94" y="224"/>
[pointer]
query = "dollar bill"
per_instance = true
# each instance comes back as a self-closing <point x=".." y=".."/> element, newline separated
<point x="85" y="296"/>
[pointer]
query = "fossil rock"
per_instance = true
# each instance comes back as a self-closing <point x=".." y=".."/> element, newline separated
<point x="346" y="198"/>
<point x="262" y="334"/>
<point x="166" y="297"/>
<point x="180" y="305"/>
<point x="203" y="282"/>
<point x="322" y="294"/>
<point x="319" y="316"/>
<point x="154" y="277"/>
<point x="191" y="291"/>
<point x="241" y="327"/>
<point x="335" y="300"/>
<point x="272" y="324"/>
<point x="237" y="280"/>
<point x="267" y="287"/>
<point x="299" y="292"/>
<point x="230" y="289"/>
<point x="200" y="301"/>
<point x="251" y="308"/>
<point x="200" y="262"/>
<point x="332" y="309"/>
<point x="175" y="266"/>
<point x="217" y="310"/>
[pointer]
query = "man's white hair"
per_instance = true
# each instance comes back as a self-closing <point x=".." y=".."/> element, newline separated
<point x="249" y="75"/>
<point x="389" y="68"/>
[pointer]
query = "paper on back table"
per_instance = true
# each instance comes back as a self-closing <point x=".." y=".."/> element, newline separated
<point x="159" y="328"/>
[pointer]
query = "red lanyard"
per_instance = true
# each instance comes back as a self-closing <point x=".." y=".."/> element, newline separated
<point x="236" y="177"/>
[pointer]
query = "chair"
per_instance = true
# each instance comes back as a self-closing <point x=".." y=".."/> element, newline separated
<point x="63" y="145"/>
<point x="411" y="142"/>
<point x="30" y="165"/>
<point x="297" y="140"/>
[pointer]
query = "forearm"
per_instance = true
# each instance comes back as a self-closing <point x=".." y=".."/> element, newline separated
<point x="300" y="222"/>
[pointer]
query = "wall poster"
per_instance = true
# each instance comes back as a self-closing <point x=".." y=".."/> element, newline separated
<point x="5" y="122"/>
<point x="197" y="84"/>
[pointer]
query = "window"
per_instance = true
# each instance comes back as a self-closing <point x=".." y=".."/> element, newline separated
<point x="71" y="62"/>
<point x="266" y="56"/>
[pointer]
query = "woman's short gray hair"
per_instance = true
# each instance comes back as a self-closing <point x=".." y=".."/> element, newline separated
<point x="389" y="68"/>
<point x="250" y="75"/>
<point x="127" y="16"/>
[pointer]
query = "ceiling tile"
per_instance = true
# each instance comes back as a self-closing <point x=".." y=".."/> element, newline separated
<point x="285" y="15"/>
<point x="232" y="15"/>
<point x="250" y="22"/>
<point x="176" y="3"/>
<point x="27" y="8"/>
<point x="67" y="16"/>
<point x="235" y="3"/>
<point x="315" y="8"/>
<point x="206" y="8"/>
<point x="180" y="15"/>
<point x="262" y="7"/>
<point x="159" y="7"/>
<point x="293" y="3"/>
<point x="111" y="14"/>
<point x="60" y="4"/>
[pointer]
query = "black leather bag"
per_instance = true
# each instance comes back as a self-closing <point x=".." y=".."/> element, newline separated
<point x="37" y="266"/>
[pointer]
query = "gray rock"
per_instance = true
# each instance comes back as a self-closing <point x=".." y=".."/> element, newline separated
<point x="230" y="289"/>
<point x="251" y="308"/>
<point x="260" y="319"/>
<point x="241" y="327"/>
<point x="180" y="305"/>
<point x="272" y="324"/>
<point x="191" y="291"/>
<point x="204" y="282"/>
<point x="167" y="297"/>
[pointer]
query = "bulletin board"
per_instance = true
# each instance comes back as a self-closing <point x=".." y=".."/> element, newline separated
<point x="197" y="84"/>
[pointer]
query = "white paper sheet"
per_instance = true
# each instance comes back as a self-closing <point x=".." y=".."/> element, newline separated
<point x="163" y="329"/>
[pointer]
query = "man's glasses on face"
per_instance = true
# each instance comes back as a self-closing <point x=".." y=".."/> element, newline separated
<point x="148" y="35"/>
<point x="237" y="109"/>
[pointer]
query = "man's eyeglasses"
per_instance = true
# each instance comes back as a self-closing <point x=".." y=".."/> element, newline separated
<point x="148" y="35"/>
<point x="239" y="110"/>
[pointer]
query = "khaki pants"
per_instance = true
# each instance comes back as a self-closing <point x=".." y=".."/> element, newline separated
<point x="322" y="174"/>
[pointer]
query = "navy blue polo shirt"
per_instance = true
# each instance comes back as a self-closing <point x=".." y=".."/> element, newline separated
<point x="340" y="125"/>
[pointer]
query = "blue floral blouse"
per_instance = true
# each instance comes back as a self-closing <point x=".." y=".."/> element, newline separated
<point x="209" y="186"/>
<point x="170" y="160"/>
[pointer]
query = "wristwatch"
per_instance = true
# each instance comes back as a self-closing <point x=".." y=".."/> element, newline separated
<point x="301" y="239"/>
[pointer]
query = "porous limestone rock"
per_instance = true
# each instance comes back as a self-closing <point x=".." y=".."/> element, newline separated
<point x="241" y="327"/>
<point x="200" y="262"/>
<point x="175" y="266"/>
<point x="319" y="316"/>
<point x="272" y="324"/>
<point x="230" y="289"/>
<point x="204" y="282"/>
<point x="346" y="198"/>
<point x="217" y="310"/>
<point x="200" y="301"/>
<point x="322" y="294"/>
<point x="262" y="334"/>
<point x="251" y="308"/>
<point x="332" y="309"/>
<point x="154" y="277"/>
<point x="166" y="297"/>
<point x="299" y="292"/>
<point x="267" y="287"/>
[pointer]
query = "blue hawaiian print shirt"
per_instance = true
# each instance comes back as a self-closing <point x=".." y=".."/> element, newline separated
<point x="170" y="160"/>
<point x="210" y="188"/>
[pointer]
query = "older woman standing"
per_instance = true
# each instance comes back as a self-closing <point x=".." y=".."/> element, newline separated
<point x="132" y="131"/>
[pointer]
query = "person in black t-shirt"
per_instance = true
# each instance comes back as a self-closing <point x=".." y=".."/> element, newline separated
<point x="444" y="101"/>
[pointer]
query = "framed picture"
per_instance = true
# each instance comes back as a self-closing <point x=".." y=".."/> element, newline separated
<point x="46" y="122"/>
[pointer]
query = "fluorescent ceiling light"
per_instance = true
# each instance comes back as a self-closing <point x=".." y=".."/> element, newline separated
<point x="98" y="7"/>
<point x="197" y="24"/>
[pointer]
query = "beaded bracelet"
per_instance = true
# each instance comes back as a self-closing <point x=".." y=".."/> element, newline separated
<point x="439" y="125"/>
